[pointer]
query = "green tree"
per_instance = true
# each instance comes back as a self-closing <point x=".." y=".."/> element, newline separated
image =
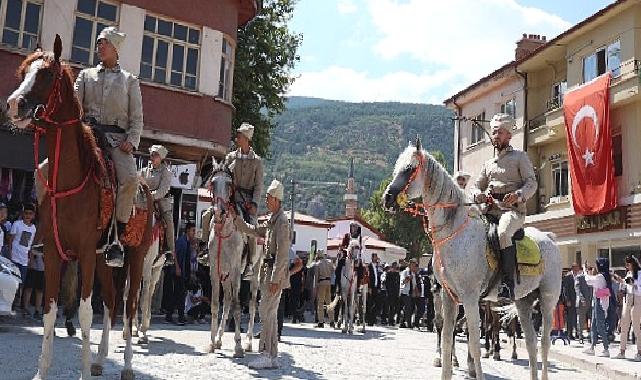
<point x="400" y="228"/>
<point x="265" y="55"/>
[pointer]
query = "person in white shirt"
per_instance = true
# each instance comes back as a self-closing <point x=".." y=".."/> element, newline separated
<point x="22" y="233"/>
<point x="596" y="278"/>
<point x="5" y="228"/>
<point x="631" y="305"/>
<point x="409" y="291"/>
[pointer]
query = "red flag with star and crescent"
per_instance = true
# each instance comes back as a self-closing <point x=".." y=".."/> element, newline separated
<point x="587" y="124"/>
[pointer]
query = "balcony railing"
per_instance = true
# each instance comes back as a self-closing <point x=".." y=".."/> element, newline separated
<point x="554" y="104"/>
<point x="536" y="122"/>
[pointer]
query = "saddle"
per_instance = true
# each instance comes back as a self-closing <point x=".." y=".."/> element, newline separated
<point x="528" y="254"/>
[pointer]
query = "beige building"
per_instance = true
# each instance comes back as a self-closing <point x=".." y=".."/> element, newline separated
<point x="609" y="40"/>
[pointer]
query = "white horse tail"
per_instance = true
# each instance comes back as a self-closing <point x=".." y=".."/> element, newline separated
<point x="332" y="306"/>
<point x="508" y="313"/>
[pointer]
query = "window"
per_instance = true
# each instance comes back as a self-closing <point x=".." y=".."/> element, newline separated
<point x="226" y="64"/>
<point x="509" y="108"/>
<point x="558" y="92"/>
<point x="604" y="59"/>
<point x="560" y="175"/>
<point x="170" y="53"/>
<point x="478" y="132"/>
<point x="22" y="23"/>
<point x="617" y="155"/>
<point x="92" y="16"/>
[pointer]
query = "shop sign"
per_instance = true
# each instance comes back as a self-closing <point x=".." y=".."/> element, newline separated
<point x="612" y="220"/>
<point x="182" y="176"/>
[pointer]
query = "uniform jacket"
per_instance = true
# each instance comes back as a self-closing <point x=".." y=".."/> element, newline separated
<point x="511" y="171"/>
<point x="324" y="269"/>
<point x="159" y="181"/>
<point x="248" y="174"/>
<point x="112" y="97"/>
<point x="277" y="243"/>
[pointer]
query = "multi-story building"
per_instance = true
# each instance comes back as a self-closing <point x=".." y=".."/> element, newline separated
<point x="182" y="51"/>
<point x="610" y="41"/>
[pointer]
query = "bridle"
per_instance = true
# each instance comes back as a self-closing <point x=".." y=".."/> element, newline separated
<point x="43" y="114"/>
<point x="219" y="224"/>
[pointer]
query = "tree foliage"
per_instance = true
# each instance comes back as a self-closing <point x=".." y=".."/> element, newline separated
<point x="265" y="55"/>
<point x="400" y="228"/>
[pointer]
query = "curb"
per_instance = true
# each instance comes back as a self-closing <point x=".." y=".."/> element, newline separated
<point x="599" y="368"/>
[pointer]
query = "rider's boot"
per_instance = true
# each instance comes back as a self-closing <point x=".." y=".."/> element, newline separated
<point x="114" y="254"/>
<point x="508" y="266"/>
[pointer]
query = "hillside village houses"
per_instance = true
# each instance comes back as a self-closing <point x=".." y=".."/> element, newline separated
<point x="183" y="55"/>
<point x="531" y="88"/>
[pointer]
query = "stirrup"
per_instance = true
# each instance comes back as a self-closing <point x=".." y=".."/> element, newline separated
<point x="505" y="294"/>
<point x="114" y="255"/>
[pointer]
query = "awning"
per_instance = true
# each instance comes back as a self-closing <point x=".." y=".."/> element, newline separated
<point x="16" y="150"/>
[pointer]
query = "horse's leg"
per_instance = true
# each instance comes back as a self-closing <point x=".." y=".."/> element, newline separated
<point x="486" y="327"/>
<point x="136" y="260"/>
<point x="438" y="323"/>
<point x="227" y="300"/>
<point x="345" y="311"/>
<point x="107" y="291"/>
<point x="253" y="293"/>
<point x="548" y="303"/>
<point x="496" y="330"/>
<point x="513" y="328"/>
<point x="235" y="298"/>
<point x="215" y="303"/>
<point x="150" y="276"/>
<point x="85" y="311"/>
<point x="471" y="305"/>
<point x="364" y="291"/>
<point x="449" y="310"/>
<point x="52" y="278"/>
<point x="524" y="308"/>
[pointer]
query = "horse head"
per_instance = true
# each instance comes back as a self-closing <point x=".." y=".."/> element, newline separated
<point x="353" y="251"/>
<point x="45" y="85"/>
<point x="408" y="178"/>
<point x="221" y="188"/>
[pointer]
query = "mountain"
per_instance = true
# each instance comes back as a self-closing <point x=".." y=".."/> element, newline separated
<point x="315" y="139"/>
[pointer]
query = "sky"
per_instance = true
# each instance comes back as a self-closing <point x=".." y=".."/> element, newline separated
<point x="419" y="51"/>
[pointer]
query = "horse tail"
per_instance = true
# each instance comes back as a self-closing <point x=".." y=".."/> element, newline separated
<point x="508" y="313"/>
<point x="332" y="306"/>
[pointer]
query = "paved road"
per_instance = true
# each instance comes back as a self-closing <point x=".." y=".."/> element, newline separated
<point x="306" y="353"/>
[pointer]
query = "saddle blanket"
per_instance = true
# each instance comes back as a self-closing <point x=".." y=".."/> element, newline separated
<point x="528" y="257"/>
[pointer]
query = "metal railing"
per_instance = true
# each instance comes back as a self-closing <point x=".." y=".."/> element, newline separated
<point x="536" y="122"/>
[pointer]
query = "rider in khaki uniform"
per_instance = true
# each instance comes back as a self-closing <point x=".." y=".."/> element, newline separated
<point x="274" y="274"/>
<point x="324" y="269"/>
<point x="112" y="102"/>
<point x="510" y="180"/>
<point x="158" y="177"/>
<point x="247" y="169"/>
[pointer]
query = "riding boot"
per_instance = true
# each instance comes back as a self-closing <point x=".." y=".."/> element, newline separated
<point x="508" y="266"/>
<point x="248" y="271"/>
<point x="114" y="254"/>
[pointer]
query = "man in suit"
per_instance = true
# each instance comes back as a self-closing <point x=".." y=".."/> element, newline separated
<point x="577" y="298"/>
<point x="373" y="303"/>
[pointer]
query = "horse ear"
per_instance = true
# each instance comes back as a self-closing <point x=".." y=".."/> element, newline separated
<point x="57" y="48"/>
<point x="418" y="144"/>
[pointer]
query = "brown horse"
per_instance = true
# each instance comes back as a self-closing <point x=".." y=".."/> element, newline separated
<point x="70" y="211"/>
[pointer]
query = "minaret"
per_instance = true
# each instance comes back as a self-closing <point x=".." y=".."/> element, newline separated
<point x="351" y="199"/>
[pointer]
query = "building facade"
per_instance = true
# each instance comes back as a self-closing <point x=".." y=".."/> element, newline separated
<point x="610" y="41"/>
<point x="183" y="55"/>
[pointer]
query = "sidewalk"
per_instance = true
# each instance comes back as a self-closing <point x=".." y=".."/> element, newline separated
<point x="572" y="354"/>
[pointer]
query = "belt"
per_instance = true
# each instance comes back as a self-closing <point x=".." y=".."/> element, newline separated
<point x="104" y="128"/>
<point x="324" y="279"/>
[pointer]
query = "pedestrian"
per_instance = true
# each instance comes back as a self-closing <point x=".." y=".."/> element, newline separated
<point x="374" y="289"/>
<point x="5" y="230"/>
<point x="393" y="286"/>
<point x="597" y="278"/>
<point x="409" y="292"/>
<point x="274" y="276"/>
<point x="291" y="297"/>
<point x="21" y="238"/>
<point x="35" y="282"/>
<point x="384" y="309"/>
<point x="631" y="305"/>
<point x="180" y="274"/>
<point x="323" y="273"/>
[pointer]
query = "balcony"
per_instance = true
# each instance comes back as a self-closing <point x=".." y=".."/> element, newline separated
<point x="624" y="88"/>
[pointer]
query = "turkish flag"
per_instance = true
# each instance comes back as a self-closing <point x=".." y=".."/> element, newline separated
<point x="587" y="124"/>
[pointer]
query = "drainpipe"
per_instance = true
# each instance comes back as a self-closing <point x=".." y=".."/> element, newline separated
<point x="459" y="113"/>
<point x="526" y="130"/>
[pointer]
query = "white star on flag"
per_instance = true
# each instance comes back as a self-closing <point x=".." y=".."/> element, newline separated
<point x="588" y="157"/>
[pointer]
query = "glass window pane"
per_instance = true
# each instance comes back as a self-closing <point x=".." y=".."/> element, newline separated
<point x="159" y="75"/>
<point x="150" y="24"/>
<point x="178" y="58"/>
<point x="190" y="82"/>
<point x="192" y="61"/>
<point x="164" y="27"/>
<point x="79" y="55"/>
<point x="14" y="12"/>
<point x="145" y="70"/>
<point x="29" y="41"/>
<point x="87" y="6"/>
<point x="82" y="33"/>
<point x="161" y="54"/>
<point x="180" y="32"/>
<point x="107" y="11"/>
<point x="589" y="68"/>
<point x="147" y="49"/>
<point x="176" y="79"/>
<point x="614" y="58"/>
<point x="32" y="18"/>
<point x="10" y="37"/>
<point x="194" y="36"/>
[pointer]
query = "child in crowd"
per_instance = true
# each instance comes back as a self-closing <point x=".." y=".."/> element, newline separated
<point x="22" y="233"/>
<point x="35" y="281"/>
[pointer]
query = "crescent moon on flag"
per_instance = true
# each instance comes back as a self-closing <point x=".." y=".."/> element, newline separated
<point x="585" y="111"/>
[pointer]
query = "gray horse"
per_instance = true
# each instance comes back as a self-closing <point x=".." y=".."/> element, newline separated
<point x="225" y="251"/>
<point x="459" y="241"/>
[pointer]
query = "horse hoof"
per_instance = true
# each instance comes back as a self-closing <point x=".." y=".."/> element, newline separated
<point x="239" y="353"/>
<point x="514" y="357"/>
<point x="344" y="331"/>
<point x="143" y="340"/>
<point x="486" y="355"/>
<point x="455" y="362"/>
<point x="496" y="357"/>
<point x="127" y="374"/>
<point x="96" y="370"/>
<point x="134" y="332"/>
<point x="437" y="362"/>
<point x="71" y="329"/>
<point x="248" y="347"/>
<point x="472" y="373"/>
<point x="218" y="345"/>
<point x="211" y="348"/>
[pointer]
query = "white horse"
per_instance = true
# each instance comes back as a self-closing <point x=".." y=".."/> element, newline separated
<point x="459" y="241"/>
<point x="151" y="271"/>
<point x="349" y="284"/>
<point x="225" y="251"/>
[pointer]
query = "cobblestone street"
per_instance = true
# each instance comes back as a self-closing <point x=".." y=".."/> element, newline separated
<point x="306" y="353"/>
